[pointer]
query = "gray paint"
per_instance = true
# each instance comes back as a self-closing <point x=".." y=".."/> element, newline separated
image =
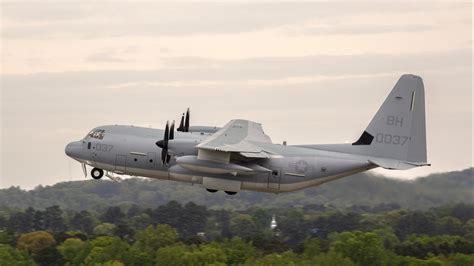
<point x="131" y="150"/>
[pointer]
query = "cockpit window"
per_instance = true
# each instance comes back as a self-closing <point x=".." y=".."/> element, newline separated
<point x="96" y="134"/>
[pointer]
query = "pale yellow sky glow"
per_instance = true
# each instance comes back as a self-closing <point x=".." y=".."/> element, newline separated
<point x="309" y="72"/>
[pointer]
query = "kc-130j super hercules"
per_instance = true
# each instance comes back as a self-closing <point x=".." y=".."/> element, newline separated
<point x="240" y="156"/>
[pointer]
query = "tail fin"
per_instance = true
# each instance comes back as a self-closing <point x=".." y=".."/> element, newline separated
<point x="398" y="130"/>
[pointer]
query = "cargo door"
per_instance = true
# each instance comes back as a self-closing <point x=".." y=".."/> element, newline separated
<point x="274" y="178"/>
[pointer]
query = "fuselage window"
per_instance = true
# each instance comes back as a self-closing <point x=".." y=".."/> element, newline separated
<point x="89" y="145"/>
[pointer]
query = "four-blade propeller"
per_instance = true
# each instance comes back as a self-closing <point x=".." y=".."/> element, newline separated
<point x="184" y="124"/>
<point x="163" y="144"/>
<point x="169" y="135"/>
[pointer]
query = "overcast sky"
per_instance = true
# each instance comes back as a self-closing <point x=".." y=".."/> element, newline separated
<point x="309" y="72"/>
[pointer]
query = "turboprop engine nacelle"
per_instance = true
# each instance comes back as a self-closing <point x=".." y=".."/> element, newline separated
<point x="191" y="162"/>
<point x="180" y="147"/>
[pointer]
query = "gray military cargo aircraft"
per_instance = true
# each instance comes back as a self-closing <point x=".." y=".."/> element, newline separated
<point x="240" y="156"/>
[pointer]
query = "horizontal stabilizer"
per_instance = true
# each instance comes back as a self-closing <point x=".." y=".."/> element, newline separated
<point x="395" y="164"/>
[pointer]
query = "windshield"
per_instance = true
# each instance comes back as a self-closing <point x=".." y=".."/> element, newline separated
<point x="95" y="134"/>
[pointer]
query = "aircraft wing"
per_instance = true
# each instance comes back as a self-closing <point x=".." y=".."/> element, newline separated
<point x="237" y="136"/>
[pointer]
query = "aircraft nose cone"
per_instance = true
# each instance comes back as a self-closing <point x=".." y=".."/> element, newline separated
<point x="73" y="149"/>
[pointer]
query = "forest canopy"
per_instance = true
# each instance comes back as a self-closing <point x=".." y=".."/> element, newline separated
<point x="360" y="220"/>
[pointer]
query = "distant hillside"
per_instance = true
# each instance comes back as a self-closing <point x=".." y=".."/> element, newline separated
<point x="358" y="190"/>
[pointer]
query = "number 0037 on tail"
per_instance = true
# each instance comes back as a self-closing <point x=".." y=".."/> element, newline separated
<point x="240" y="156"/>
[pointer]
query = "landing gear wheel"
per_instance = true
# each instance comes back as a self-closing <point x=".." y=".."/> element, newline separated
<point x="211" y="190"/>
<point x="97" y="173"/>
<point x="230" y="192"/>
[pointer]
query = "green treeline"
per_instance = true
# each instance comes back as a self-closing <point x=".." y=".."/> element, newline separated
<point x="359" y="191"/>
<point x="191" y="234"/>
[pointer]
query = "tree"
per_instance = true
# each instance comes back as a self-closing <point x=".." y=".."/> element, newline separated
<point x="223" y="220"/>
<point x="38" y="221"/>
<point x="13" y="257"/>
<point x="459" y="259"/>
<point x="112" y="263"/>
<point x="415" y="223"/>
<point x="331" y="258"/>
<point x="171" y="214"/>
<point x="152" y="238"/>
<point x="49" y="256"/>
<point x="448" y="225"/>
<point x="337" y="222"/>
<point x="172" y="255"/>
<point x="125" y="232"/>
<point x="105" y="229"/>
<point x="284" y="259"/>
<point x="7" y="237"/>
<point x="422" y="246"/>
<point x="106" y="249"/>
<point x="468" y="229"/>
<point x="140" y="221"/>
<point x="293" y="226"/>
<point x="207" y="254"/>
<point x="238" y="251"/>
<point x="134" y="210"/>
<point x="113" y="215"/>
<point x="463" y="211"/>
<point x="53" y="217"/>
<point x="262" y="218"/>
<point x="243" y="226"/>
<point x="388" y="237"/>
<point x="362" y="248"/>
<point x="268" y="242"/>
<point x="72" y="250"/>
<point x="195" y="217"/>
<point x="21" y="221"/>
<point x="36" y="241"/>
<point x="312" y="247"/>
<point x="82" y="221"/>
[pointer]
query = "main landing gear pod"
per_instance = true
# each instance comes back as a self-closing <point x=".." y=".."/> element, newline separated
<point x="97" y="173"/>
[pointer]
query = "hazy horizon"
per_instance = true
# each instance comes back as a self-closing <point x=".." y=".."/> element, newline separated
<point x="309" y="72"/>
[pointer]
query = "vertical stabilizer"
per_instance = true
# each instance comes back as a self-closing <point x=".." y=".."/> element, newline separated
<point x="398" y="130"/>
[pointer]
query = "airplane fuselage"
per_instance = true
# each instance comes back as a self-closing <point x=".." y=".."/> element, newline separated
<point x="240" y="156"/>
<point x="131" y="150"/>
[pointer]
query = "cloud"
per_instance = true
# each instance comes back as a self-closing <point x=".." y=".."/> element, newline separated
<point x="184" y="69"/>
<point x="362" y="29"/>
<point x="111" y="55"/>
<point x="93" y="20"/>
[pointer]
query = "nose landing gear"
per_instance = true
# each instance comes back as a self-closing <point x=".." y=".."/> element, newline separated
<point x="97" y="173"/>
